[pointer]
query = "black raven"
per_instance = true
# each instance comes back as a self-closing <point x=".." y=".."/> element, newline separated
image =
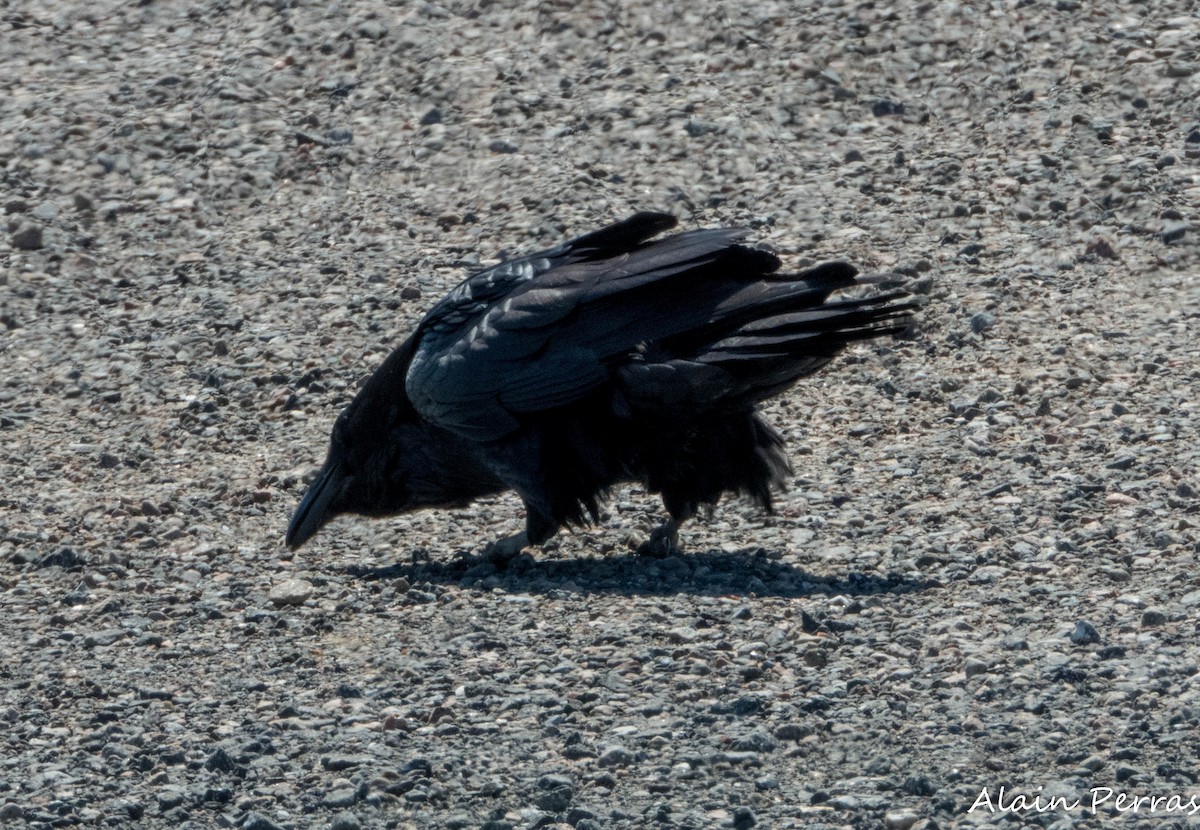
<point x="609" y="358"/>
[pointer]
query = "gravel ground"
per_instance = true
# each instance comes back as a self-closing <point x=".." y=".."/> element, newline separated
<point x="219" y="217"/>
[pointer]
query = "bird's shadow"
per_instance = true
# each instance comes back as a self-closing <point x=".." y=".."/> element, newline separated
<point x="752" y="571"/>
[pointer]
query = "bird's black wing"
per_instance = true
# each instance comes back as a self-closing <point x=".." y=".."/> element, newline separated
<point x="546" y="343"/>
<point x="479" y="292"/>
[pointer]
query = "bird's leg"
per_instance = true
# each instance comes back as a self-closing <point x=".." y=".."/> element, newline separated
<point x="503" y="550"/>
<point x="663" y="542"/>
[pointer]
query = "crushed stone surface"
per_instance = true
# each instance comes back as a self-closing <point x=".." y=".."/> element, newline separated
<point x="217" y="218"/>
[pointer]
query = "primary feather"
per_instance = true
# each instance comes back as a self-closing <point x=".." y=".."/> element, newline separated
<point x="609" y="358"/>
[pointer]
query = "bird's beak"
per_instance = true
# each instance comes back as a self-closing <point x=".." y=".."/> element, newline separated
<point x="315" y="508"/>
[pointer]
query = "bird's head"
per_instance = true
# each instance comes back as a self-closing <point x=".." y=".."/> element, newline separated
<point x="365" y="469"/>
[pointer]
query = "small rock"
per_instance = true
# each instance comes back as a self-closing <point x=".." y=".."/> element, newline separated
<point x="155" y="694"/>
<point x="499" y="145"/>
<point x="919" y="785"/>
<point x="252" y="821"/>
<point x="65" y="558"/>
<point x="1006" y="184"/>
<point x="291" y="592"/>
<point x="170" y="797"/>
<point x="1084" y="633"/>
<point x="1152" y="617"/>
<point x="756" y="741"/>
<point x="337" y="763"/>
<point x="345" y="821"/>
<point x="792" y="732"/>
<point x="372" y="30"/>
<point x="556" y="800"/>
<point x="682" y="635"/>
<point x="743" y="817"/>
<point x="982" y="321"/>
<point x="615" y="756"/>
<point x="1171" y="232"/>
<point x="340" y="798"/>
<point x="974" y="666"/>
<point x="696" y="128"/>
<point x="1102" y="248"/>
<point x="104" y="638"/>
<point x="220" y="761"/>
<point x="28" y="237"/>
<point x="884" y="107"/>
<point x="552" y="781"/>
<point x="899" y="819"/>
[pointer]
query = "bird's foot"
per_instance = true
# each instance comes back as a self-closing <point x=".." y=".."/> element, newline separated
<point x="503" y="550"/>
<point x="663" y="542"/>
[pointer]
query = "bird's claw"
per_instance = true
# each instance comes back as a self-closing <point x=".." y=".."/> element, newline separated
<point x="663" y="542"/>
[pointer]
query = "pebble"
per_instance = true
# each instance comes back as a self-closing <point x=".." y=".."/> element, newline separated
<point x="28" y="237"/>
<point x="291" y="592"/>
<point x="757" y="741"/>
<point x="220" y="761"/>
<point x="340" y="798"/>
<point x="1084" y="633"/>
<point x="982" y="321"/>
<point x="973" y="667"/>
<point x="105" y="637"/>
<point x="696" y="128"/>
<point x="1171" y="232"/>
<point x="899" y="819"/>
<point x="256" y="821"/>
<point x="683" y="634"/>
<point x="345" y="821"/>
<point x="555" y="800"/>
<point x="615" y="756"/>
<point x="743" y="817"/>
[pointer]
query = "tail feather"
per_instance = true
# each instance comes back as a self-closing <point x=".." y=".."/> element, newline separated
<point x="778" y="337"/>
<point x="785" y="337"/>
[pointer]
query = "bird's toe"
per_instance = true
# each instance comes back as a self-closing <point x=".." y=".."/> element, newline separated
<point x="663" y="542"/>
